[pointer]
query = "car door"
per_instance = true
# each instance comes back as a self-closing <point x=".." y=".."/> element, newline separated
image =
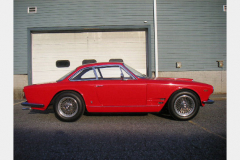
<point x="114" y="90"/>
<point x="84" y="81"/>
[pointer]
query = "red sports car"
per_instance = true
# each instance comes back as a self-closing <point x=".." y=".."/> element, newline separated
<point x="116" y="87"/>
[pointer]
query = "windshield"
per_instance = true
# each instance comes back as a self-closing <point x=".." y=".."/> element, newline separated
<point x="138" y="74"/>
<point x="66" y="75"/>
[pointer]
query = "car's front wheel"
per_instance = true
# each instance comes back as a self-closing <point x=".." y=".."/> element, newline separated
<point x="183" y="105"/>
<point x="69" y="107"/>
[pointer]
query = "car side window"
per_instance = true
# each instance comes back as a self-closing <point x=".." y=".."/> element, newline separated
<point x="111" y="73"/>
<point x="86" y="74"/>
<point x="125" y="74"/>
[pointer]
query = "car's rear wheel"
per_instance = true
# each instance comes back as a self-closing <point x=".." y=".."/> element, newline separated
<point x="183" y="105"/>
<point x="69" y="106"/>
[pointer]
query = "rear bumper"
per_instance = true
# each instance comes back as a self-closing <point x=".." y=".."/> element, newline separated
<point x="35" y="105"/>
<point x="209" y="101"/>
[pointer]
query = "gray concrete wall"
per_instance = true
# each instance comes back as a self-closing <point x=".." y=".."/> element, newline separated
<point x="19" y="82"/>
<point x="216" y="78"/>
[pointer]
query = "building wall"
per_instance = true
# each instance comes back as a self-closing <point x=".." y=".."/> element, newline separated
<point x="19" y="82"/>
<point x="190" y="32"/>
<point x="216" y="78"/>
<point x="73" y="13"/>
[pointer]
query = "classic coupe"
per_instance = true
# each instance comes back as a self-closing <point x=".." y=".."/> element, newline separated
<point x="116" y="87"/>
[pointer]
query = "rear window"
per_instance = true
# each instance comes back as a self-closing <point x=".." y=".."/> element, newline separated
<point x="65" y="76"/>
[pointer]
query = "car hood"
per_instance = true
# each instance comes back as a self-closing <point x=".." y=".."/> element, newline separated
<point x="177" y="79"/>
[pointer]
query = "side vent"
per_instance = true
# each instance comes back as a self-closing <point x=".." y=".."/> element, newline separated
<point x="32" y="9"/>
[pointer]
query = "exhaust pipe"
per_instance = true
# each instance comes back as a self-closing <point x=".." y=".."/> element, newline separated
<point x="27" y="108"/>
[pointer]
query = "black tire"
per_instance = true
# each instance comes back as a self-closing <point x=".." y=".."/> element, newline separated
<point x="183" y="105"/>
<point x="69" y="107"/>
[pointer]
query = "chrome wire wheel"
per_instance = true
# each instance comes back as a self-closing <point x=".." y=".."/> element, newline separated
<point x="68" y="107"/>
<point x="184" y="105"/>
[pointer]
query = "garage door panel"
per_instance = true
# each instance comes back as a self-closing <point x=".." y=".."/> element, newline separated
<point x="47" y="48"/>
<point x="57" y="38"/>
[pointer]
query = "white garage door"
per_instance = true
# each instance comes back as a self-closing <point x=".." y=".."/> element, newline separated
<point x="47" y="48"/>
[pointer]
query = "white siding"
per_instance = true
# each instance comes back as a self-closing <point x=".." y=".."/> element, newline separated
<point x="47" y="48"/>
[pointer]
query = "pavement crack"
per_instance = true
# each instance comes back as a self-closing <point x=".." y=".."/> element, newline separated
<point x="207" y="130"/>
<point x="18" y="103"/>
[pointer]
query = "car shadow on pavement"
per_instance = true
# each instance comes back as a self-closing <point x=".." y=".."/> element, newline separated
<point x="163" y="114"/>
<point x="115" y="114"/>
<point x="47" y="111"/>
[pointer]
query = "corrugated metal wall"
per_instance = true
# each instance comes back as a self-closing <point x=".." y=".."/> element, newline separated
<point x="64" y="13"/>
<point x="193" y="32"/>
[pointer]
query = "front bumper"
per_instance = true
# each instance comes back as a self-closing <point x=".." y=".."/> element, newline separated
<point x="35" y="105"/>
<point x="209" y="101"/>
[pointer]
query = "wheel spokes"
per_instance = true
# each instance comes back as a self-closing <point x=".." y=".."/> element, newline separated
<point x="184" y="105"/>
<point x="68" y="106"/>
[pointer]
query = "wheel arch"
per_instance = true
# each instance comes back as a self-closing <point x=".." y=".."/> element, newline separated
<point x="183" y="90"/>
<point x="188" y="90"/>
<point x="67" y="91"/>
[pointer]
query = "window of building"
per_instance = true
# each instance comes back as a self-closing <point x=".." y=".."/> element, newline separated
<point x="62" y="63"/>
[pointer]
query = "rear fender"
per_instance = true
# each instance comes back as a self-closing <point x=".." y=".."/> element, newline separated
<point x="60" y="92"/>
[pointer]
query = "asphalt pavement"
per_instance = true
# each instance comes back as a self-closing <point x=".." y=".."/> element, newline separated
<point x="40" y="135"/>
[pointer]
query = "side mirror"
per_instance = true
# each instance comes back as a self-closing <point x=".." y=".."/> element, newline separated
<point x="122" y="76"/>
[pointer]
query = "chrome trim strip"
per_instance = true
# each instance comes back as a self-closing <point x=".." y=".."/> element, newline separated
<point x="94" y="70"/>
<point x="27" y="108"/>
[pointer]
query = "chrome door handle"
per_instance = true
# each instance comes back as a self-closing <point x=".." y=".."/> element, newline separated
<point x="99" y="85"/>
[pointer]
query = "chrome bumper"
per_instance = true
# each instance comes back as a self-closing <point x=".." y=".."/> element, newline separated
<point x="32" y="105"/>
<point x="209" y="101"/>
